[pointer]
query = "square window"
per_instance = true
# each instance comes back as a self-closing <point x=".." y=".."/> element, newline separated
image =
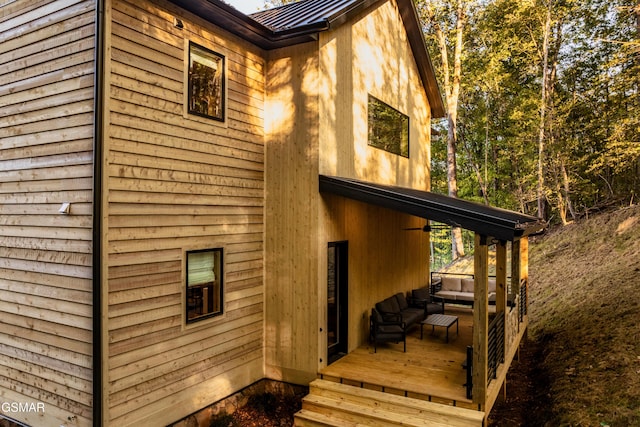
<point x="204" y="284"/>
<point x="206" y="83"/>
<point x="388" y="128"/>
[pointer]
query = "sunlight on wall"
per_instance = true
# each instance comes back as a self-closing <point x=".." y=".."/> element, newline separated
<point x="372" y="57"/>
<point x="280" y="107"/>
<point x="327" y="94"/>
<point x="379" y="49"/>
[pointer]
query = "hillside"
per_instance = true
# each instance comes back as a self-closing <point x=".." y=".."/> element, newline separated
<point x="581" y="363"/>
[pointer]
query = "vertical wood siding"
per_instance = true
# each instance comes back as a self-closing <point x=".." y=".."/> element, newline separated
<point x="177" y="183"/>
<point x="46" y="157"/>
<point x="317" y="100"/>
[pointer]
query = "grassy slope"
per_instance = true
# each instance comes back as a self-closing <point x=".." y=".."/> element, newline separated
<point x="585" y="319"/>
<point x="581" y="363"/>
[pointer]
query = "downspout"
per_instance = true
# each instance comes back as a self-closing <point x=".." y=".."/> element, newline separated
<point x="97" y="212"/>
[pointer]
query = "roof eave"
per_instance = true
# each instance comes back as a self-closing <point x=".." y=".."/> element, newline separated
<point x="479" y="222"/>
<point x="236" y="22"/>
<point x="425" y="66"/>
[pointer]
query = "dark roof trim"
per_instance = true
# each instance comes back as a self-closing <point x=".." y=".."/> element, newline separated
<point x="223" y="15"/>
<point x="236" y="22"/>
<point x="486" y="220"/>
<point x="423" y="60"/>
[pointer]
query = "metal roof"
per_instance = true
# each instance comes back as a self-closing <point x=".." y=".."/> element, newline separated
<point x="303" y="13"/>
<point x="301" y="22"/>
<point x="486" y="220"/>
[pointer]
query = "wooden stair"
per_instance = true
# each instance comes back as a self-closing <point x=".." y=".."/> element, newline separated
<point x="333" y="404"/>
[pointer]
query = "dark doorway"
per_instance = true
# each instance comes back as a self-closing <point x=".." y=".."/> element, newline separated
<point x="337" y="300"/>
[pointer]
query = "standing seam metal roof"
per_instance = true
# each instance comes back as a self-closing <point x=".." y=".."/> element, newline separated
<point x="303" y="13"/>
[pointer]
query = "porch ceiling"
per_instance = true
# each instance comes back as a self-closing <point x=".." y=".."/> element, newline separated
<point x="486" y="220"/>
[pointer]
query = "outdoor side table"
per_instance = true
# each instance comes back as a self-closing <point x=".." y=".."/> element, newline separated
<point x="443" y="320"/>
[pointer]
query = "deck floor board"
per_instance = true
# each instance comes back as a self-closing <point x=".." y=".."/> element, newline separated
<point x="430" y="368"/>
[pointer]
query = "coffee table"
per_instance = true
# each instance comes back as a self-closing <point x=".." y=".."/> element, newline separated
<point x="443" y="320"/>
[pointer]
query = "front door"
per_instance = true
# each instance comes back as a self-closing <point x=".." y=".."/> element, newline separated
<point x="337" y="299"/>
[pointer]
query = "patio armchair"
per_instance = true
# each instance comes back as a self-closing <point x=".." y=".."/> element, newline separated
<point x="432" y="304"/>
<point x="388" y="329"/>
<point x="396" y="305"/>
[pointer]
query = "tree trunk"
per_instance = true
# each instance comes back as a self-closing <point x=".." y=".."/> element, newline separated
<point x="543" y="110"/>
<point x="451" y="83"/>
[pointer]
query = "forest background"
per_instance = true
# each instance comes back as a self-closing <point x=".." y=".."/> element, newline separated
<point x="543" y="107"/>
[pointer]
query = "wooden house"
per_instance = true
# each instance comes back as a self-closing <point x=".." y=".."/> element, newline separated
<point x="185" y="193"/>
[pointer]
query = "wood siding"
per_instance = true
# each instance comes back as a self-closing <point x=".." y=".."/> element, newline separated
<point x="47" y="53"/>
<point x="317" y="99"/>
<point x="372" y="56"/>
<point x="291" y="340"/>
<point x="388" y="253"/>
<point x="174" y="183"/>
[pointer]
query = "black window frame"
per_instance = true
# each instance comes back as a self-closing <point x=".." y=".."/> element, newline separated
<point x="195" y="293"/>
<point x="202" y="51"/>
<point x="393" y="145"/>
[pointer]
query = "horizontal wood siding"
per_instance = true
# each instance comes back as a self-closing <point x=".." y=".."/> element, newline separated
<point x="46" y="159"/>
<point x="178" y="183"/>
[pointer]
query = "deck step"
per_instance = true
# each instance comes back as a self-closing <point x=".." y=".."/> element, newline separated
<point x="359" y="406"/>
<point x="307" y="418"/>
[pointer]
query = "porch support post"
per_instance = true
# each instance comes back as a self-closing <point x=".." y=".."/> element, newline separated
<point x="520" y="270"/>
<point x="515" y="267"/>
<point x="480" y="320"/>
<point x="502" y="289"/>
<point x="501" y="276"/>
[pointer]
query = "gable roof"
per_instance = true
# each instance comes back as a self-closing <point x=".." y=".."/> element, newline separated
<point x="302" y="21"/>
<point x="486" y="220"/>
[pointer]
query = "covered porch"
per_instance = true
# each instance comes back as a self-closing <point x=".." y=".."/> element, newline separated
<point x="431" y="370"/>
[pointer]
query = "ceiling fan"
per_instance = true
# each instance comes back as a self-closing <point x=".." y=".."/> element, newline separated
<point x="428" y="228"/>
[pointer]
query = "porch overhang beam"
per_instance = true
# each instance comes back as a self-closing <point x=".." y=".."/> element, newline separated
<point x="485" y="220"/>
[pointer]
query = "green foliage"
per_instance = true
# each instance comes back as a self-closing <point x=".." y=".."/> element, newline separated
<point x="592" y="126"/>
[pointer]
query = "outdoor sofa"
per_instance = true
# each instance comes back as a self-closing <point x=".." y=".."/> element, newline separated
<point x="392" y="317"/>
<point x="398" y="305"/>
<point x="452" y="289"/>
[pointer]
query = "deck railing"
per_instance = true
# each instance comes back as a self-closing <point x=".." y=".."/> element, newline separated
<point x="496" y="345"/>
<point x="495" y="353"/>
<point x="523" y="301"/>
<point x="469" y="367"/>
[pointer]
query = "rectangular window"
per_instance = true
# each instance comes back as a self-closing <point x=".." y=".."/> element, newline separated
<point x="388" y="128"/>
<point x="204" y="284"/>
<point x="206" y="83"/>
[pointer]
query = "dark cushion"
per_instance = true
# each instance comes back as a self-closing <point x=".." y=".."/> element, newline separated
<point x="411" y="316"/>
<point x="390" y="329"/>
<point x="402" y="301"/>
<point x="377" y="318"/>
<point x="394" y="304"/>
<point x="389" y="305"/>
<point x="421" y="294"/>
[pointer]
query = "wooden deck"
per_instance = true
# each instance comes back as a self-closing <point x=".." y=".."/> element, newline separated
<point x="431" y="369"/>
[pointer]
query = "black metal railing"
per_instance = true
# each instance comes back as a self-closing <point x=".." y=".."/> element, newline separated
<point x="496" y="345"/>
<point x="469" y="368"/>
<point x="522" y="309"/>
